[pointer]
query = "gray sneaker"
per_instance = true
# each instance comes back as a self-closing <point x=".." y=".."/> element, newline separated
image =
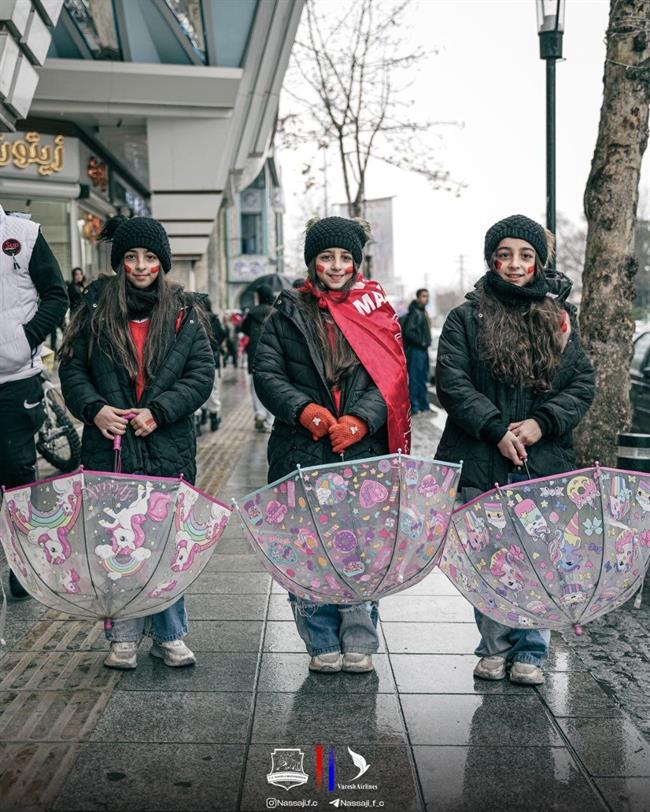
<point x="122" y="655"/>
<point x="326" y="663"/>
<point x="490" y="668"/>
<point x="173" y="653"/>
<point x="357" y="663"/>
<point x="526" y="674"/>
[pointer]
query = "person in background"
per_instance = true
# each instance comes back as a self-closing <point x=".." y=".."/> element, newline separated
<point x="252" y="327"/>
<point x="212" y="407"/>
<point x="33" y="303"/>
<point x="76" y="289"/>
<point x="416" y="333"/>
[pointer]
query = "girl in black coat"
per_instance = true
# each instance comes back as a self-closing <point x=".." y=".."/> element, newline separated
<point x="515" y="382"/>
<point x="325" y="403"/>
<point x="138" y="345"/>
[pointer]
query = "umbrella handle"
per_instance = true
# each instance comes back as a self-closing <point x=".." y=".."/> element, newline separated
<point x="117" y="440"/>
<point x="577" y="628"/>
<point x="108" y="625"/>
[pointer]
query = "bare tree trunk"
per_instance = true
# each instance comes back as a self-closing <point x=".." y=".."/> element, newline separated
<point x="610" y="201"/>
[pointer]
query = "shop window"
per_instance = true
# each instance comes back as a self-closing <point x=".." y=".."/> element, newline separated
<point x="251" y="234"/>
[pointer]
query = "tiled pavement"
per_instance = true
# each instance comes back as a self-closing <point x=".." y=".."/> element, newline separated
<point x="202" y="738"/>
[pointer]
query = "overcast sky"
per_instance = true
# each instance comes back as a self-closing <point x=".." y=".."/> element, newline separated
<point x="488" y="75"/>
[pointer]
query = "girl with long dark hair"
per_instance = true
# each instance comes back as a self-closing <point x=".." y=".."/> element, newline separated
<point x="515" y="381"/>
<point x="330" y="366"/>
<point x="138" y="345"/>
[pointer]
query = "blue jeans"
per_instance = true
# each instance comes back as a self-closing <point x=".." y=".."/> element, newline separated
<point x="417" y="362"/>
<point x="516" y="645"/>
<point x="170" y="624"/>
<point x="328" y="627"/>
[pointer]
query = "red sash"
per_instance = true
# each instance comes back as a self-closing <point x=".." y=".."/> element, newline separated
<point x="370" y="325"/>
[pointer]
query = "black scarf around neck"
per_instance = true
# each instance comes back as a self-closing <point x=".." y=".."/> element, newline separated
<point x="140" y="302"/>
<point x="515" y="294"/>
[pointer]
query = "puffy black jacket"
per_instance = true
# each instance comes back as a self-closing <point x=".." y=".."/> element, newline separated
<point x="416" y="330"/>
<point x="181" y="384"/>
<point x="252" y="326"/>
<point x="473" y="398"/>
<point x="289" y="374"/>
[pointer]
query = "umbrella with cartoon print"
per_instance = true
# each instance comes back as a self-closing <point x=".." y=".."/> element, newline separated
<point x="107" y="545"/>
<point x="553" y="552"/>
<point x="352" y="531"/>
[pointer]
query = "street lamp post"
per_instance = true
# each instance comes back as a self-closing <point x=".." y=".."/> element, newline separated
<point x="550" y="27"/>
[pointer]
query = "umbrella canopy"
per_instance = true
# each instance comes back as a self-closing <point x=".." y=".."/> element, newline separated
<point x="352" y="531"/>
<point x="110" y="546"/>
<point x="553" y="552"/>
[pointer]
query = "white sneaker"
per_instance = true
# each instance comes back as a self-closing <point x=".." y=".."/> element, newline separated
<point x="490" y="668"/>
<point x="357" y="663"/>
<point x="173" y="653"/>
<point x="122" y="655"/>
<point x="526" y="674"/>
<point x="326" y="663"/>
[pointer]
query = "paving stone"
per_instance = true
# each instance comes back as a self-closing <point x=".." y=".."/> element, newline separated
<point x="279" y="608"/>
<point x="431" y="638"/>
<point x="224" y="635"/>
<point x="507" y="779"/>
<point x="36" y="670"/>
<point x="389" y="774"/>
<point x="175" y="716"/>
<point x="31" y="774"/>
<point x="55" y="716"/>
<point x="626" y="794"/>
<point x="212" y="672"/>
<point x="446" y="674"/>
<point x="225" y="607"/>
<point x="235" y="562"/>
<point x="436" y="583"/>
<point x="62" y="635"/>
<point x="236" y="545"/>
<point x="289" y="673"/>
<point x="231" y="583"/>
<point x="485" y="720"/>
<point x="155" y="778"/>
<point x="608" y="747"/>
<point x="426" y="608"/>
<point x="576" y="693"/>
<point x="357" y="718"/>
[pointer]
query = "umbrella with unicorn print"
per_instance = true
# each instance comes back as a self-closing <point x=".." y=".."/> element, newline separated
<point x="352" y="531"/>
<point x="553" y="552"/>
<point x="107" y="545"/>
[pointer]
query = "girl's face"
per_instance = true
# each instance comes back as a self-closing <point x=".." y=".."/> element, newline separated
<point x="515" y="261"/>
<point x="141" y="266"/>
<point x="334" y="267"/>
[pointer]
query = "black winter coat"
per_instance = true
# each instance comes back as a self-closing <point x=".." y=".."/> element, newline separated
<point x="289" y="374"/>
<point x="252" y="326"/>
<point x="416" y="330"/>
<point x="473" y="397"/>
<point x="181" y="384"/>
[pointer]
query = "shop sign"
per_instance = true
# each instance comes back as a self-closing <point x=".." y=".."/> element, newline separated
<point x="28" y="151"/>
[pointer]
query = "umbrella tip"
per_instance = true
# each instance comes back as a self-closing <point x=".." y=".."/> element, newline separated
<point x="577" y="628"/>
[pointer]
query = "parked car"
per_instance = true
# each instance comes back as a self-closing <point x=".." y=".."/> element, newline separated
<point x="640" y="384"/>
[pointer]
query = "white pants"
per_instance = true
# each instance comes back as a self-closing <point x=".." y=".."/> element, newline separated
<point x="260" y="412"/>
<point x="213" y="403"/>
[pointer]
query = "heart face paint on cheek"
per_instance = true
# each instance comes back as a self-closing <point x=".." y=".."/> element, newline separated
<point x="155" y="270"/>
<point x="320" y="268"/>
<point x="531" y="269"/>
<point x="498" y="265"/>
<point x="128" y="268"/>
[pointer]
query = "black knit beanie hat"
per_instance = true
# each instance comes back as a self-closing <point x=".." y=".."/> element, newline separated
<point x="335" y="232"/>
<point x="521" y="228"/>
<point x="137" y="232"/>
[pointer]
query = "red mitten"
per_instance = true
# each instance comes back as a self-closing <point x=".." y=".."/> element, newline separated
<point x="346" y="432"/>
<point x="316" y="419"/>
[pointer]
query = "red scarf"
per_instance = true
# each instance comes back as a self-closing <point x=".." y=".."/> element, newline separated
<point x="370" y="326"/>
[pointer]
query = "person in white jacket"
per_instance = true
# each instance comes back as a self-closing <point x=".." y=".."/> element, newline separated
<point x="33" y="302"/>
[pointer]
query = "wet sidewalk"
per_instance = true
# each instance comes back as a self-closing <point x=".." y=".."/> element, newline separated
<point x="76" y="736"/>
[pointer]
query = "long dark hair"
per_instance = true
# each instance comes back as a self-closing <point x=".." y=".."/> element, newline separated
<point x="521" y="343"/>
<point x="340" y="359"/>
<point x="109" y="330"/>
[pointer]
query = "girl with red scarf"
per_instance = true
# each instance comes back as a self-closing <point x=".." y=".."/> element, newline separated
<point x="331" y="368"/>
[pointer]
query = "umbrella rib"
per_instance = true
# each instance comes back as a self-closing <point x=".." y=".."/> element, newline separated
<point x="313" y="518"/>
<point x="399" y="513"/>
<point x="83" y="510"/>
<point x="600" y="572"/>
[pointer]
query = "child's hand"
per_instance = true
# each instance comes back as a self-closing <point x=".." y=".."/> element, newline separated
<point x="346" y="432"/>
<point x="316" y="419"/>
<point x="528" y="431"/>
<point x="512" y="448"/>
<point x="111" y="421"/>
<point x="143" y="423"/>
